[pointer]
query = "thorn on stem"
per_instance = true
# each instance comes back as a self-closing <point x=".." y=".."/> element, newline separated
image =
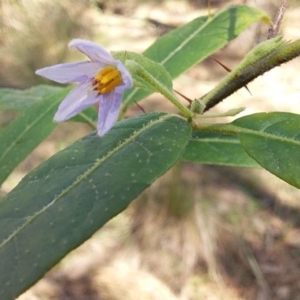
<point x="186" y="98"/>
<point x="140" y="107"/>
<point x="229" y="70"/>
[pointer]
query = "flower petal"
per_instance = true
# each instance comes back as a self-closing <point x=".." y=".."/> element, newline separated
<point x="81" y="97"/>
<point x="126" y="77"/>
<point x="95" y="52"/>
<point x="71" y="72"/>
<point x="109" y="108"/>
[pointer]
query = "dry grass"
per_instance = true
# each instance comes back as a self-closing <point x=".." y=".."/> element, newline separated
<point x="197" y="233"/>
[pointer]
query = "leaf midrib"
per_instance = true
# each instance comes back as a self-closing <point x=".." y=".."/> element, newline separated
<point x="268" y="135"/>
<point x="212" y="140"/>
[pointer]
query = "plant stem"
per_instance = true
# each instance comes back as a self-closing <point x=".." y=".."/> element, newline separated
<point x="246" y="72"/>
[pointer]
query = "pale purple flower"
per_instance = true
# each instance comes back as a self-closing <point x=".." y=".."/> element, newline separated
<point x="102" y="79"/>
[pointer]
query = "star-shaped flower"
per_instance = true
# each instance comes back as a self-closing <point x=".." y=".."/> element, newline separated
<point x="102" y="79"/>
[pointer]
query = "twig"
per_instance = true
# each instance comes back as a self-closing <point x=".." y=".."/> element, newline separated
<point x="273" y="31"/>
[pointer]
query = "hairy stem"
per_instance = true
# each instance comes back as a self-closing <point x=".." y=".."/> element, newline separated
<point x="260" y="60"/>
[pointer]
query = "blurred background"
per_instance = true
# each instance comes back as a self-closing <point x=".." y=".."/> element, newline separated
<point x="199" y="232"/>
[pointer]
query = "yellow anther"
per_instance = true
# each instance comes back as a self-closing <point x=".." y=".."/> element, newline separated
<point x="103" y="72"/>
<point x="107" y="79"/>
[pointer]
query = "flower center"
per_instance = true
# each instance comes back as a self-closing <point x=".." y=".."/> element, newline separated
<point x="107" y="79"/>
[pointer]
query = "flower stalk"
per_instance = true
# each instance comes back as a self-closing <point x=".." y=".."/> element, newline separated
<point x="157" y="86"/>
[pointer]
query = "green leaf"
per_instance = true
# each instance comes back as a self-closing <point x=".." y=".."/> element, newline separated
<point x="217" y="149"/>
<point x="273" y="140"/>
<point x="65" y="200"/>
<point x="27" y="131"/>
<point x="184" y="47"/>
<point x="13" y="99"/>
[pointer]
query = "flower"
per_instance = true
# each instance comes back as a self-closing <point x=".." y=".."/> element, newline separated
<point x="102" y="79"/>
